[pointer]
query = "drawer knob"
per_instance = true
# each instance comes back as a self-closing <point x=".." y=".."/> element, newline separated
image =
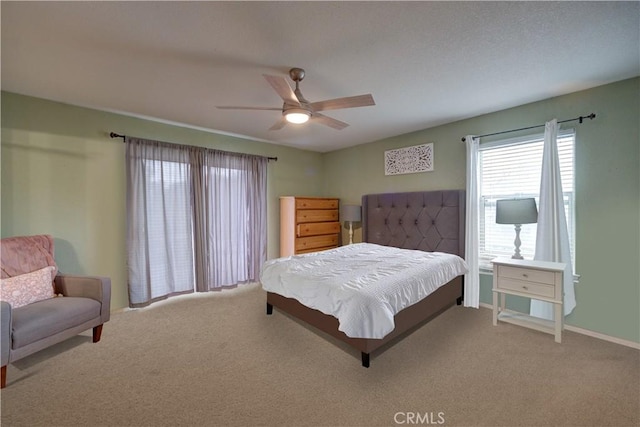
<point x="525" y="275"/>
<point x="525" y="288"/>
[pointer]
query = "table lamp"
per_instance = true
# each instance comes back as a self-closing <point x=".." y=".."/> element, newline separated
<point x="517" y="212"/>
<point x="351" y="214"/>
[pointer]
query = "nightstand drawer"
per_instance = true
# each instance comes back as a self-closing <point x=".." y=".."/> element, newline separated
<point x="530" y="288"/>
<point x="528" y="274"/>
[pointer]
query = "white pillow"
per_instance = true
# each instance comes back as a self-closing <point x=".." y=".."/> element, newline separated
<point x="27" y="288"/>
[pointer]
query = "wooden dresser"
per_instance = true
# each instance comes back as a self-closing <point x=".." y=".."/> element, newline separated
<point x="308" y="224"/>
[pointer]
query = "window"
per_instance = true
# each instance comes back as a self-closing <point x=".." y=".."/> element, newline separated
<point x="196" y="219"/>
<point x="511" y="169"/>
<point x="167" y="223"/>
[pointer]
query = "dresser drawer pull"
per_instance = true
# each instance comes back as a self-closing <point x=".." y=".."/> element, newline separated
<point x="525" y="288"/>
<point x="525" y="275"/>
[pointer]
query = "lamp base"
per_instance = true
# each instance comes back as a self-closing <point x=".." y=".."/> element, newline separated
<point x="517" y="242"/>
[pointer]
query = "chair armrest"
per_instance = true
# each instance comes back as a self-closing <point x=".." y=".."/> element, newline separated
<point x="5" y="326"/>
<point x="94" y="287"/>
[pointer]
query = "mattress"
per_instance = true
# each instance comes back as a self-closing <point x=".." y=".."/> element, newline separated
<point x="363" y="285"/>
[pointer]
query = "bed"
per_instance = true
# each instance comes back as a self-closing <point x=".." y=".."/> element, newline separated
<point x="431" y="221"/>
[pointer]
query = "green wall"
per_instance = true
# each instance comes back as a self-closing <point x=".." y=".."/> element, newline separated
<point x="63" y="175"/>
<point x="607" y="192"/>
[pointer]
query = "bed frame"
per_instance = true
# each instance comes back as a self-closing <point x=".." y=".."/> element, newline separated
<point x="424" y="220"/>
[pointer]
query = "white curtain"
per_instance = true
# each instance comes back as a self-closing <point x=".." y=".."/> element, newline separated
<point x="196" y="219"/>
<point x="552" y="238"/>
<point x="472" y="225"/>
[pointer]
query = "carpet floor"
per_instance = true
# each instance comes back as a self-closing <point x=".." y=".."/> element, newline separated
<point x="219" y="360"/>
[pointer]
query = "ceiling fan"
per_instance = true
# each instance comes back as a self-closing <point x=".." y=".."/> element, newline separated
<point x="296" y="109"/>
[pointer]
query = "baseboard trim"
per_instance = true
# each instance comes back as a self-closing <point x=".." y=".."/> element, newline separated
<point x="588" y="332"/>
<point x="604" y="337"/>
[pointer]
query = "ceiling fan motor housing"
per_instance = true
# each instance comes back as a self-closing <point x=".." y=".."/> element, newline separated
<point x="296" y="74"/>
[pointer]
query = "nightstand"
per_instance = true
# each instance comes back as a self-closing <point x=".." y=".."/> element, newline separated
<point x="539" y="280"/>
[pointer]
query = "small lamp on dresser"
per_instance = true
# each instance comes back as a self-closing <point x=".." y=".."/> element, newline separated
<point x="516" y="212"/>
<point x="350" y="214"/>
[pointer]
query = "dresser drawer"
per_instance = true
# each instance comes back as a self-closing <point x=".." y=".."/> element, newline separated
<point x="528" y="274"/>
<point x="316" y="203"/>
<point x="315" y="242"/>
<point x="306" y="251"/>
<point x="316" y="215"/>
<point x="317" y="228"/>
<point x="529" y="288"/>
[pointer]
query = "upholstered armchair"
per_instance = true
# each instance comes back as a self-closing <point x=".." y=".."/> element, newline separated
<point x="39" y="306"/>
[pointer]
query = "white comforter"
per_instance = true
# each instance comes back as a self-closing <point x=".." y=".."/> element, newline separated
<point x="363" y="285"/>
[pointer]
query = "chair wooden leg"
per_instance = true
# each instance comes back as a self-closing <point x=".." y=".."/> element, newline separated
<point x="97" y="331"/>
<point x="3" y="381"/>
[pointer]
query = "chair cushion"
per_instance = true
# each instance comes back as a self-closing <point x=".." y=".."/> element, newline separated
<point x="27" y="288"/>
<point x="42" y="319"/>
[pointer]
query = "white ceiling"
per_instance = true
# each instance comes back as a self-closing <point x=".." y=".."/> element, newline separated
<point x="426" y="63"/>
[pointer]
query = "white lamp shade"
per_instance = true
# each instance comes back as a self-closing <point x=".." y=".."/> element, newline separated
<point x="516" y="211"/>
<point x="351" y="213"/>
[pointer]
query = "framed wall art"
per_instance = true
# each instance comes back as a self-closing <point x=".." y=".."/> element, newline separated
<point x="418" y="158"/>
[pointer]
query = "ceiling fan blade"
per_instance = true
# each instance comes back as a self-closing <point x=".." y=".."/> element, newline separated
<point x="348" y="102"/>
<point x="279" y="124"/>
<point x="284" y="90"/>
<point x="328" y="121"/>
<point x="231" y="107"/>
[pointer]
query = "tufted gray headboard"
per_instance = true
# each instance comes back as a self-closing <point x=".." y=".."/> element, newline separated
<point x="425" y="220"/>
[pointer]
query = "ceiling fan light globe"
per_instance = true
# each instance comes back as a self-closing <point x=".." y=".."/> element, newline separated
<point x="297" y="116"/>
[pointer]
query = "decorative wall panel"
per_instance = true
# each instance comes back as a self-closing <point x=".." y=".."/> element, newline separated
<point x="418" y="158"/>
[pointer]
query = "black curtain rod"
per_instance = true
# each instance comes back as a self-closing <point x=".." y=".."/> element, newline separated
<point x="115" y="135"/>
<point x="580" y="119"/>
